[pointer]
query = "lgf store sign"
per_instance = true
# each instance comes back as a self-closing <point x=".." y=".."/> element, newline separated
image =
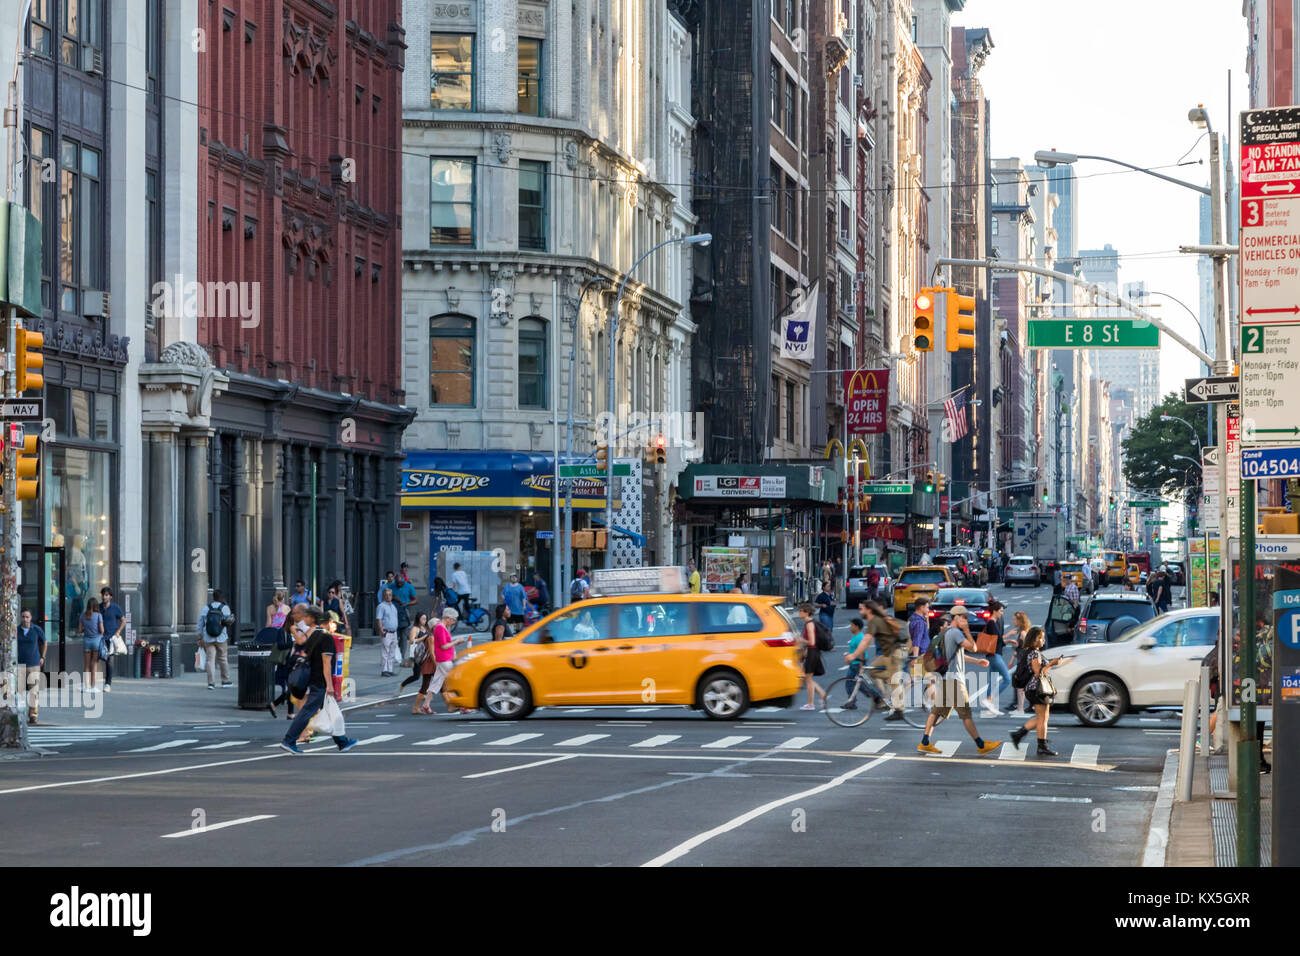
<point x="740" y="486"/>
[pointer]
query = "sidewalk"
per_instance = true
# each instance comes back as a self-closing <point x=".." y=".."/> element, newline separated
<point x="186" y="698"/>
<point x="1204" y="832"/>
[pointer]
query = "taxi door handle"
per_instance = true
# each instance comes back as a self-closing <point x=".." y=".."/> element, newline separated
<point x="627" y="647"/>
<point x="601" y="648"/>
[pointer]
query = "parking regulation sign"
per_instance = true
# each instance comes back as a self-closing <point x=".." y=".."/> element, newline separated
<point x="1272" y="462"/>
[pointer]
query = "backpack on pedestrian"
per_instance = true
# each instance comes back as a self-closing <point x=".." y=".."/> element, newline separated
<point x="214" y="624"/>
<point x="575" y="588"/>
<point x="825" y="641"/>
<point x="935" y="659"/>
<point x="1024" y="672"/>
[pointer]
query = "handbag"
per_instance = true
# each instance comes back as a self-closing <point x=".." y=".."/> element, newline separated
<point x="986" y="643"/>
<point x="299" y="678"/>
<point x="1045" y="685"/>
<point x="419" y="651"/>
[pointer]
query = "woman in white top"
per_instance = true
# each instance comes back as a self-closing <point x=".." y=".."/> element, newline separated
<point x="278" y="610"/>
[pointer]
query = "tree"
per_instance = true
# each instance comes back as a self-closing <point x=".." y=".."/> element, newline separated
<point x="1151" y="444"/>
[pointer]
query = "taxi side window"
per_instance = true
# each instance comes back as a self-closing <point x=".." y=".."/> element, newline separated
<point x="583" y="623"/>
<point x="719" y="618"/>
<point x="654" y="620"/>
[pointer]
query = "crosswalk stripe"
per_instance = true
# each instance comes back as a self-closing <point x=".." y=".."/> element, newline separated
<point x="796" y="743"/>
<point x="511" y="740"/>
<point x="946" y="747"/>
<point x="574" y="710"/>
<point x="379" y="739"/>
<point x="642" y="710"/>
<point x="657" y="741"/>
<point x="1084" y="755"/>
<point x="1010" y="752"/>
<point x="223" y="745"/>
<point x="165" y="745"/>
<point x="872" y="746"/>
<point x="767" y="710"/>
<point x="580" y="741"/>
<point x="725" y="742"/>
<point x="445" y="739"/>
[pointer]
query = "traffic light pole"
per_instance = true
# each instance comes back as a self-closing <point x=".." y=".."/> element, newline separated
<point x="13" y="712"/>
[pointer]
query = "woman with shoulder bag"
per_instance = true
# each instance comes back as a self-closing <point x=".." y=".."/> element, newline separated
<point x="418" y="643"/>
<point x="990" y="643"/>
<point x="1039" y="690"/>
<point x="812" y="656"/>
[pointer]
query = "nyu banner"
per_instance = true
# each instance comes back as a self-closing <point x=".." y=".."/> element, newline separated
<point x="798" y="327"/>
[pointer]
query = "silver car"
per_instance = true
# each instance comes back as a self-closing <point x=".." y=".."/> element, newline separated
<point x="1022" y="569"/>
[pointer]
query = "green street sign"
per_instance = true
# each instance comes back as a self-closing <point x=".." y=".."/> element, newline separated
<point x="1148" y="504"/>
<point x="885" y="488"/>
<point x="1180" y="538"/>
<point x="1092" y="334"/>
<point x="591" y="471"/>
<point x="1152" y="524"/>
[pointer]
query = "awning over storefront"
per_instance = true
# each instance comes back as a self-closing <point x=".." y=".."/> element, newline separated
<point x="754" y="484"/>
<point x="489" y="479"/>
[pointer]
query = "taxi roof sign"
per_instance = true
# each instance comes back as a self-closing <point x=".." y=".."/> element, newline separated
<point x="606" y="582"/>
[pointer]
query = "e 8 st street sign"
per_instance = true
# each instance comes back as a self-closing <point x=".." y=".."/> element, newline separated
<point x="1093" y="334"/>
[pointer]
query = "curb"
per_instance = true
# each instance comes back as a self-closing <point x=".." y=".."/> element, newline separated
<point x="1158" y="829"/>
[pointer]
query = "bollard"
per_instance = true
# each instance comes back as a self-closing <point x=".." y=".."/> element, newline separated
<point x="1206" y="742"/>
<point x="1187" y="742"/>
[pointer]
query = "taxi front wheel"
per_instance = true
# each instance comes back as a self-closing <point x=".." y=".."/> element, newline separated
<point x="722" y="695"/>
<point x="505" y="695"/>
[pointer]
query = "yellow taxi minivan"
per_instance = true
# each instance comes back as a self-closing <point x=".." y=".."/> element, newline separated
<point x="917" y="580"/>
<point x="1073" y="571"/>
<point x="719" y="653"/>
<point x="1115" y="566"/>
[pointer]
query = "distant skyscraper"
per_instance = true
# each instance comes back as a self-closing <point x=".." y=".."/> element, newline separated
<point x="1134" y="370"/>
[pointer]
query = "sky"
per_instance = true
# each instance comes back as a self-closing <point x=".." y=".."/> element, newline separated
<point x="1116" y="78"/>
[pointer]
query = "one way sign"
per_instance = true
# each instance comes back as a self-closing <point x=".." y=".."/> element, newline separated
<point x="1200" y="391"/>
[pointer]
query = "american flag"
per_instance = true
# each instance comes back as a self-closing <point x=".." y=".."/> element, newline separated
<point x="956" y="417"/>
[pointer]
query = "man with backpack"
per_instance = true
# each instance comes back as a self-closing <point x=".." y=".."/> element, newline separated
<point x="873" y="582"/>
<point x="579" y="587"/>
<point x="947" y="657"/>
<point x="214" y="640"/>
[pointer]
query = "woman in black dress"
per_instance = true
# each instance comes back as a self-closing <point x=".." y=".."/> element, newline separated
<point x="812" y="657"/>
<point x="1039" y="667"/>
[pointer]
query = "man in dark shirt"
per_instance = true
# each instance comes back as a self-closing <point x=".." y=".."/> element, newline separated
<point x="825" y="602"/>
<point x="1164" y="592"/>
<point x="319" y="649"/>
<point x="114" y="624"/>
<point x="31" y="655"/>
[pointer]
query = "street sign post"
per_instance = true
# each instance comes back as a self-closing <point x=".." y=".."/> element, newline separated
<point x="1201" y="391"/>
<point x="1093" y="334"/>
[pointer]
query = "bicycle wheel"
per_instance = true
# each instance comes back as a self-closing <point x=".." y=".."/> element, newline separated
<point x="848" y="690"/>
<point x="912" y="698"/>
<point x="481" y="623"/>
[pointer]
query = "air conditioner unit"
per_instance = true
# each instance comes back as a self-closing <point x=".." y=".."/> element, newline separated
<point x="851" y="310"/>
<point x="95" y="304"/>
<point x="858" y="80"/>
<point x="848" y="36"/>
<point x="92" y="60"/>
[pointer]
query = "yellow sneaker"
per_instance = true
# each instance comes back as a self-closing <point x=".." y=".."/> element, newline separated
<point x="928" y="749"/>
<point x="989" y="747"/>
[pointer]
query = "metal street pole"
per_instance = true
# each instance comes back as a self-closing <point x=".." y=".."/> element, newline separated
<point x="567" y="573"/>
<point x="557" y="539"/>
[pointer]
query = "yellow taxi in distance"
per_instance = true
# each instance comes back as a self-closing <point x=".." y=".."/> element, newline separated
<point x="1114" y="566"/>
<point x="1072" y="571"/>
<point x="917" y="580"/>
<point x="718" y="653"/>
<point x="1133" y="575"/>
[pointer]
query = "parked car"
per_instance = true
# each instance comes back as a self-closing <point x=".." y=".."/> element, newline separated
<point x="976" y="601"/>
<point x="1147" y="666"/>
<point x="1107" y="617"/>
<point x="1021" y="569"/>
<point x="856" y="589"/>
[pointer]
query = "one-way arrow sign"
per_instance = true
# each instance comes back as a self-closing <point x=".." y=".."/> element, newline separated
<point x="1200" y="391"/>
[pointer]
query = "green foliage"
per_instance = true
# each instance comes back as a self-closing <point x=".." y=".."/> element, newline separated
<point x="1150" y="447"/>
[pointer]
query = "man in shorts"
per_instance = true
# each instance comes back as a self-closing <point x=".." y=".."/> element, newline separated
<point x="951" y="692"/>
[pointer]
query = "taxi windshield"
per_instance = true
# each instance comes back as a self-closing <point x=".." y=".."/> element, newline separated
<point x="923" y="577"/>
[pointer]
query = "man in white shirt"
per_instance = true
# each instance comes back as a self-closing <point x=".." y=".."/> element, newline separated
<point x="1087" y="574"/>
<point x="386" y="618"/>
<point x="460" y="584"/>
<point x="951" y="691"/>
<point x="215" y="640"/>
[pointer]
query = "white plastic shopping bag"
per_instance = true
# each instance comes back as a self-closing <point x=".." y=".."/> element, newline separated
<point x="200" y="659"/>
<point x="329" y="719"/>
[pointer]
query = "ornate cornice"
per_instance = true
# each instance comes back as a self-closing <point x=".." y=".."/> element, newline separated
<point x="66" y="339"/>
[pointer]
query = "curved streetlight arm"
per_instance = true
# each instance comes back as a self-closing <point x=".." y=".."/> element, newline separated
<point x="1050" y="157"/>
<point x="1175" y="418"/>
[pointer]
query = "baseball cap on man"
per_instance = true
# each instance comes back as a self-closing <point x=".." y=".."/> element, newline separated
<point x="959" y="609"/>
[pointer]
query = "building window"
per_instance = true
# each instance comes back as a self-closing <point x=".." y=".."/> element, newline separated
<point x="532" y="205"/>
<point x="779" y="198"/>
<point x="81" y="240"/>
<point x="533" y="386"/>
<point x="846" y="153"/>
<point x="41" y="200"/>
<point x="774" y="275"/>
<point x="995" y="225"/>
<point x="774" y="82"/>
<point x="40" y="27"/>
<point x="846" y="224"/>
<point x="789" y="411"/>
<point x="530" y="76"/>
<point x="451" y="360"/>
<point x="451" y="71"/>
<point x="79" y="508"/>
<point x="913" y="29"/>
<point x="152" y="49"/>
<point x="792" y="18"/>
<point x="81" y="27"/>
<point x="452" y="202"/>
<point x="775" y="427"/>
<point x="792" y="210"/>
<point x="153" y="264"/>
<point x="791" y="111"/>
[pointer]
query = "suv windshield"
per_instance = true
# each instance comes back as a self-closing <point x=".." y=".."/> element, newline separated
<point x="922" y="577"/>
<point x="1108" y="610"/>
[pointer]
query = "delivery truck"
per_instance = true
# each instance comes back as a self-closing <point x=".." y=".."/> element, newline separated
<point x="1041" y="534"/>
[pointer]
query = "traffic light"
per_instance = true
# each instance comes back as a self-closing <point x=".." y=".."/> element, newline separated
<point x="941" y="483"/>
<point x="27" y="468"/>
<point x="923" y="321"/>
<point x="648" y="455"/>
<point x="29" y="357"/>
<point x="959" y="324"/>
<point x="660" y="450"/>
<point x="929" y="482"/>
<point x="602" y="456"/>
<point x="1112" y="502"/>
<point x="1044" y="494"/>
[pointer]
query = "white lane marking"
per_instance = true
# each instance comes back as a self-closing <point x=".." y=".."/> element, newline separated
<point x="511" y="740"/>
<point x="1149" y="720"/>
<point x="872" y="746"/>
<point x="657" y="741"/>
<point x="725" y="742"/>
<point x="1010" y="751"/>
<point x="445" y="739"/>
<point x="524" y="766"/>
<point x="581" y="741"/>
<point x="687" y="846"/>
<point x="1139" y="789"/>
<point x="585" y="754"/>
<point x="796" y="743"/>
<point x="165" y="745"/>
<point x="223" y="745"/>
<point x="1034" y="799"/>
<point x="378" y="739"/>
<point x="642" y="710"/>
<point x="573" y="710"/>
<point x="1084" y="755"/>
<point x="1162" y="733"/>
<point x="217" y="826"/>
<point x="135" y="776"/>
<point x="767" y="710"/>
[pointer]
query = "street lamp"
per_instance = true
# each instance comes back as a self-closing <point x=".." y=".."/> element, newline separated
<point x="1052" y="157"/>
<point x="1175" y="418"/>
<point x="1209" y="407"/>
<point x="699" y="239"/>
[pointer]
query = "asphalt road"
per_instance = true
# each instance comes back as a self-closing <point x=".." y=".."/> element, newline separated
<point x="612" y="786"/>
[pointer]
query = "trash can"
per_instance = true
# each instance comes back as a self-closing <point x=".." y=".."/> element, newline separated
<point x="256" y="674"/>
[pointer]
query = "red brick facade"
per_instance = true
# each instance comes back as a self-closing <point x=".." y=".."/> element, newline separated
<point x="300" y="189"/>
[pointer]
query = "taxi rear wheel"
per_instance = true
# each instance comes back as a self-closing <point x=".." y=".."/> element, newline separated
<point x="722" y="695"/>
<point x="505" y="695"/>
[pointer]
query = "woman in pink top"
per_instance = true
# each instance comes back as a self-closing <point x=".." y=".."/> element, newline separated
<point x="444" y="653"/>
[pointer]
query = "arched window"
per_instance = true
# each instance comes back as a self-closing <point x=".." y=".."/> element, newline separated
<point x="534" y="364"/>
<point x="451" y="360"/>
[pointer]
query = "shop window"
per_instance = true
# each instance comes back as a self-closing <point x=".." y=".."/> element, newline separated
<point x="530" y="76"/>
<point x="534" y="391"/>
<point x="451" y="197"/>
<point x="451" y="71"/>
<point x="451" y="360"/>
<point x="78" y="487"/>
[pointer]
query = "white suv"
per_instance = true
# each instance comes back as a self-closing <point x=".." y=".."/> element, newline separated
<point x="1022" y="569"/>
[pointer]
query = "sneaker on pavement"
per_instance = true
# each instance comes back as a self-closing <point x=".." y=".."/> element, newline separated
<point x="292" y="748"/>
<point x="212" y="687"/>
<point x="895" y="715"/>
<point x="989" y="746"/>
<point x="347" y="745"/>
<point x="928" y="749"/>
<point x="227" y="683"/>
<point x="107" y="688"/>
<point x="807" y="707"/>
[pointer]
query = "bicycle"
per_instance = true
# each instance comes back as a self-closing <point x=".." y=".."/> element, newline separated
<point x="476" y="617"/>
<point x="910" y="697"/>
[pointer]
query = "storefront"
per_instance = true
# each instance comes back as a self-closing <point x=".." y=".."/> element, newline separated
<point x="484" y="501"/>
